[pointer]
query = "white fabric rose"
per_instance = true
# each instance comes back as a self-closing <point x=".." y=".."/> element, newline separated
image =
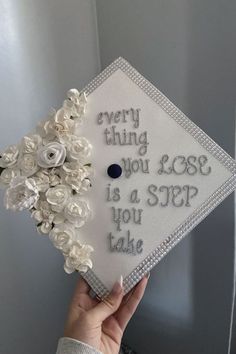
<point x="78" y="258"/>
<point x="85" y="186"/>
<point x="7" y="175"/>
<point x="45" y="216"/>
<point x="77" y="211"/>
<point x="9" y="156"/>
<point x="54" y="177"/>
<point x="75" y="104"/>
<point x="58" y="197"/>
<point x="28" y="165"/>
<point x="39" y="179"/>
<point x="62" y="123"/>
<point x="51" y="155"/>
<point x="42" y="180"/>
<point x="58" y="125"/>
<point x="74" y="96"/>
<point x="42" y="128"/>
<point x="46" y="178"/>
<point x="21" y="194"/>
<point x="73" y="167"/>
<point x="45" y="227"/>
<point x="62" y="237"/>
<point x="78" y="148"/>
<point x="76" y="175"/>
<point x="77" y="185"/>
<point x="30" y="143"/>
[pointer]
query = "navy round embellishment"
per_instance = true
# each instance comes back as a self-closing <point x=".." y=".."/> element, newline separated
<point x="114" y="171"/>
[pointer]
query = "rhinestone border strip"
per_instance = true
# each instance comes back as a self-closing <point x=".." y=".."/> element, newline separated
<point x="95" y="283"/>
<point x="203" y="139"/>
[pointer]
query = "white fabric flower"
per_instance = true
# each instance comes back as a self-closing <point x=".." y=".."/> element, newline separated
<point x="51" y="155"/>
<point x="21" y="194"/>
<point x="9" y="156"/>
<point x="46" y="178"/>
<point x="45" y="227"/>
<point x="78" y="258"/>
<point x="75" y="104"/>
<point x="76" y="175"/>
<point x="85" y="186"/>
<point x="58" y="196"/>
<point x="78" y="148"/>
<point x="62" y="236"/>
<point x="77" y="211"/>
<point x="58" y="125"/>
<point x="42" y="128"/>
<point x="45" y="216"/>
<point x="30" y="143"/>
<point x="7" y="175"/>
<point x="62" y="123"/>
<point x="27" y="163"/>
<point x="42" y="181"/>
<point x="46" y="174"/>
<point x="54" y="177"/>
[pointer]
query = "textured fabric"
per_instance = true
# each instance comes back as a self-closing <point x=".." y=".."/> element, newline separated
<point x="72" y="346"/>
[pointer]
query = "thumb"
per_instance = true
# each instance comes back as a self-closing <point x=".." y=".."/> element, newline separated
<point x="109" y="304"/>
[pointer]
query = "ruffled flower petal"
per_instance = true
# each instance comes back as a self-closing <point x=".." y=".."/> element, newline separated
<point x="9" y="157"/>
<point x="51" y="155"/>
<point x="21" y="194"/>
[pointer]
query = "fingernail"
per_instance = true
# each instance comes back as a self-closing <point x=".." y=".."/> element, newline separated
<point x="121" y="281"/>
<point x="118" y="286"/>
<point x="148" y="275"/>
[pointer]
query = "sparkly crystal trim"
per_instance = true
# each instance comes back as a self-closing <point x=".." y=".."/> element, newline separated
<point x="199" y="214"/>
<point x="95" y="283"/>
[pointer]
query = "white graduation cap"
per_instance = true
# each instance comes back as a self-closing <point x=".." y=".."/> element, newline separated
<point x="156" y="176"/>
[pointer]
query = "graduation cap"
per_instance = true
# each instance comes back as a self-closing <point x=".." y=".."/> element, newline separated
<point x="156" y="175"/>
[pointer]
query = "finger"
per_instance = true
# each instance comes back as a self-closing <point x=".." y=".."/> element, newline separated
<point x="82" y="287"/>
<point x="110" y="304"/>
<point x="130" y="293"/>
<point x="127" y="296"/>
<point x="127" y="310"/>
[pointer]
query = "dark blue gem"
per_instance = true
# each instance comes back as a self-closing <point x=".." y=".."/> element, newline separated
<point x="114" y="170"/>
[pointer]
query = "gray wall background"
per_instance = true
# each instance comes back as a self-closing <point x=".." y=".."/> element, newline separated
<point x="46" y="47"/>
<point x="187" y="50"/>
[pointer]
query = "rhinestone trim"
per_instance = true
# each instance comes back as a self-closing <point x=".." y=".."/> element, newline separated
<point x="199" y="214"/>
<point x="95" y="283"/>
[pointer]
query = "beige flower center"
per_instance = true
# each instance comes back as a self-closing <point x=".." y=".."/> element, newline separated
<point x="76" y="209"/>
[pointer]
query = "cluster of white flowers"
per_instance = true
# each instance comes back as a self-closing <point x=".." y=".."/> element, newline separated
<point x="48" y="173"/>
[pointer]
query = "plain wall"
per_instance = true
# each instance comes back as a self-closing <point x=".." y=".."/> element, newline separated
<point x="187" y="49"/>
<point x="47" y="47"/>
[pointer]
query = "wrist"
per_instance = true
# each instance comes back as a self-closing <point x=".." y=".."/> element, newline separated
<point x="74" y="346"/>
